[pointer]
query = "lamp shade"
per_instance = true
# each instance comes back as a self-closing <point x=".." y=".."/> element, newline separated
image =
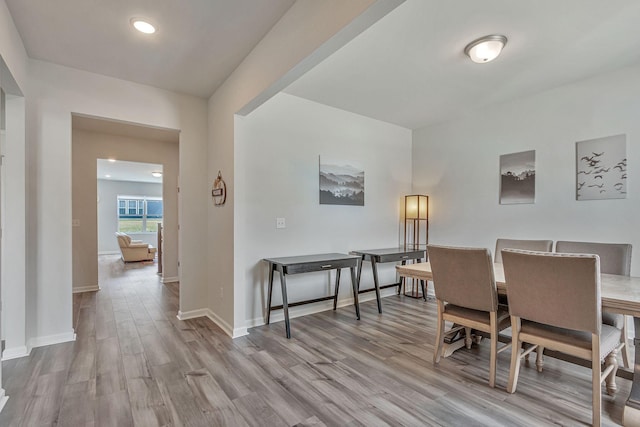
<point x="416" y="207"/>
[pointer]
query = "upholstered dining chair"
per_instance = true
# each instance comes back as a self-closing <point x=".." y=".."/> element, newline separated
<point x="466" y="295"/>
<point x="531" y="245"/>
<point x="615" y="258"/>
<point x="554" y="301"/>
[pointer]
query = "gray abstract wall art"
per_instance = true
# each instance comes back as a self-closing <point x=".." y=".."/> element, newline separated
<point x="518" y="178"/>
<point x="341" y="183"/>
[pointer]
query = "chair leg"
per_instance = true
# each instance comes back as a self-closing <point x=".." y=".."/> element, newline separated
<point x="467" y="338"/>
<point x="611" y="360"/>
<point x="626" y="350"/>
<point x="539" y="358"/>
<point x="494" y="348"/>
<point x="596" y="379"/>
<point x="516" y="346"/>
<point x="437" y="350"/>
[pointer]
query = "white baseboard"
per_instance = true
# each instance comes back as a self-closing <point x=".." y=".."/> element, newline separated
<point x="169" y="279"/>
<point x="192" y="314"/>
<point x="279" y="316"/>
<point x="50" y="340"/>
<point x="240" y="332"/>
<point x="109" y="253"/>
<point x="15" y="353"/>
<point x="90" y="288"/>
<point x="318" y="307"/>
<point x="3" y="399"/>
<point x="205" y="312"/>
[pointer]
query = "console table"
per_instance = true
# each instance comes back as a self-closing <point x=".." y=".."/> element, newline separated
<point x="377" y="256"/>
<point x="307" y="264"/>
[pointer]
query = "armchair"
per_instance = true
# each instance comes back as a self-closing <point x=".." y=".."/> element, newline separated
<point x="134" y="250"/>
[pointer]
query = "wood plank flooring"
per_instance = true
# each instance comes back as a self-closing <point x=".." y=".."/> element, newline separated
<point x="134" y="363"/>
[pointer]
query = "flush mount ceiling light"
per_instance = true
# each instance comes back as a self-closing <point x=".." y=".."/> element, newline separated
<point x="485" y="48"/>
<point x="143" y="26"/>
<point x="156" y="174"/>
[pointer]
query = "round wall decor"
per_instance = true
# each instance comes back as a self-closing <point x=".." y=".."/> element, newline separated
<point x="219" y="191"/>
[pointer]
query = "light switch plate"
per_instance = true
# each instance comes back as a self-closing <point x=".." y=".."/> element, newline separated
<point x="280" y="223"/>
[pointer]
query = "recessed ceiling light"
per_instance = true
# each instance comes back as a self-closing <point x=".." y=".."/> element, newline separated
<point x="156" y="174"/>
<point x="485" y="48"/>
<point x="107" y="176"/>
<point x="143" y="26"/>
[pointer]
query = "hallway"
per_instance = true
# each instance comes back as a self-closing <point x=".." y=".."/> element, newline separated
<point x="122" y="330"/>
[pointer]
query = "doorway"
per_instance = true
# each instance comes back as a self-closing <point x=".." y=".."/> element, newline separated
<point x="128" y="153"/>
<point x="130" y="206"/>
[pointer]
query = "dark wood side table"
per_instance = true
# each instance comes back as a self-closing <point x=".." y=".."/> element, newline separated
<point x="377" y="256"/>
<point x="307" y="264"/>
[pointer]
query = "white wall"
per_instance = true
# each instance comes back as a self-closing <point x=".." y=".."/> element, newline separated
<point x="456" y="164"/>
<point x="13" y="77"/>
<point x="282" y="55"/>
<point x="14" y="231"/>
<point x="55" y="93"/>
<point x="108" y="192"/>
<point x="277" y="149"/>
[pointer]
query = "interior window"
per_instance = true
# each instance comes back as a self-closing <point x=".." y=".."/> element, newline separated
<point x="139" y="214"/>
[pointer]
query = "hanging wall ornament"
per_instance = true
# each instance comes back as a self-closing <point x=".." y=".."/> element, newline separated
<point x="219" y="191"/>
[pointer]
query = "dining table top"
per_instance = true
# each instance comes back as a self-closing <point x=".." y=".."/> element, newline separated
<point x="620" y="294"/>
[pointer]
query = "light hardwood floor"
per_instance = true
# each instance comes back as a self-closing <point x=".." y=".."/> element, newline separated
<point x="134" y="363"/>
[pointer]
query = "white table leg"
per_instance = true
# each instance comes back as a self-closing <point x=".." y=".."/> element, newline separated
<point x="631" y="415"/>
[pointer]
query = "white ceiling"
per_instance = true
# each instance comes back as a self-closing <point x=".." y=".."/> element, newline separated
<point x="128" y="171"/>
<point x="410" y="69"/>
<point x="197" y="45"/>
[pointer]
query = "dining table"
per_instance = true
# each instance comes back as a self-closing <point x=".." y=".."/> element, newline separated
<point x="619" y="294"/>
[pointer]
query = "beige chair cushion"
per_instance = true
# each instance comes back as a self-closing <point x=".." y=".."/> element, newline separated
<point x="124" y="240"/>
<point x="477" y="315"/>
<point x="609" y="336"/>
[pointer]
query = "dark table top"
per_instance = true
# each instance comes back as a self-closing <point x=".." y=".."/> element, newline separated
<point x="306" y="259"/>
<point x="388" y="251"/>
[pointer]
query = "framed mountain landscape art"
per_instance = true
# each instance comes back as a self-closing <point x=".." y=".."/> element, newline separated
<point x="601" y="168"/>
<point x="518" y="178"/>
<point x="341" y="182"/>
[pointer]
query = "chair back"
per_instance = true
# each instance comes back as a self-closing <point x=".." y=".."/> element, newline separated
<point x="463" y="277"/>
<point x="555" y="289"/>
<point x="530" y="245"/>
<point x="124" y="240"/>
<point x="615" y="258"/>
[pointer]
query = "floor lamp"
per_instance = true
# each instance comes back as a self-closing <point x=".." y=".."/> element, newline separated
<point x="416" y="230"/>
<point x="416" y="221"/>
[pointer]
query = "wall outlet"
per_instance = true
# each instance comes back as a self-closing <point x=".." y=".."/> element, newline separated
<point x="75" y="223"/>
<point x="280" y="223"/>
<point x="221" y="292"/>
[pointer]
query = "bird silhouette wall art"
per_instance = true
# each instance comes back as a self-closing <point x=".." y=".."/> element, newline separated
<point x="601" y="168"/>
